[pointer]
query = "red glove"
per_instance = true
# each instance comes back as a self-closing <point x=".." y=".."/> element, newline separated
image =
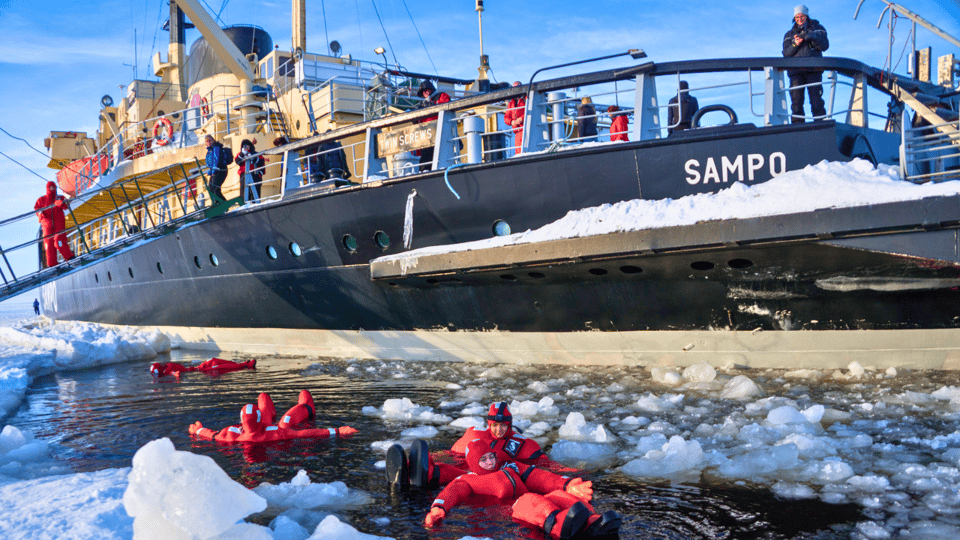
<point x="58" y="203"/>
<point x="343" y="431"/>
<point x="195" y="427"/>
<point x="580" y="488"/>
<point x="435" y="516"/>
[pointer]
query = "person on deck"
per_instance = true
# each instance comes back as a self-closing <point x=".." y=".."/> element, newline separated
<point x="807" y="38"/>
<point x="514" y="116"/>
<point x="213" y="365"/>
<point x="253" y="429"/>
<point x="216" y="167"/>
<point x="558" y="505"/>
<point x="421" y="470"/>
<point x="681" y="108"/>
<point x="430" y="97"/>
<point x="49" y="209"/>
<point x="254" y="164"/>
<point x="586" y="120"/>
<point x="618" y="125"/>
<point x="36" y="306"/>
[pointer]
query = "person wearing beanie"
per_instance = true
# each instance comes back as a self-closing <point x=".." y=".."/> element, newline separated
<point x="559" y="505"/>
<point x="431" y="97"/>
<point x="422" y="470"/>
<point x="807" y="38"/>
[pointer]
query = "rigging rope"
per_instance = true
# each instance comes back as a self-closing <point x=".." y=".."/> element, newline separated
<point x="323" y="11"/>
<point x="377" y="11"/>
<point x="421" y="40"/>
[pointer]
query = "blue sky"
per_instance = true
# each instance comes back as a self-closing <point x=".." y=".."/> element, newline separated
<point x="60" y="56"/>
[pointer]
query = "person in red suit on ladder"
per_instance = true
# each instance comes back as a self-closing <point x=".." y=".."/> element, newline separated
<point x="49" y="209"/>
<point x="558" y="505"/>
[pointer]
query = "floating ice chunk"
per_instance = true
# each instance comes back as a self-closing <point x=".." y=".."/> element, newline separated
<point x="809" y="374"/>
<point x="785" y="415"/>
<point x="536" y="429"/>
<point x="331" y="528"/>
<point x="890" y="372"/>
<point x="530" y="409"/>
<point x="872" y="530"/>
<point x="165" y="485"/>
<point x="810" y="446"/>
<point x="469" y="422"/>
<point x="584" y="455"/>
<point x="577" y="428"/>
<point x="404" y="409"/>
<point x="930" y="530"/>
<point x="700" y="373"/>
<point x="288" y="529"/>
<point x="301" y="493"/>
<point x="675" y="459"/>
<point x="651" y="403"/>
<point x="762" y="462"/>
<point x="666" y="375"/>
<point x="740" y="387"/>
<point x="947" y="393"/>
<point x="538" y="387"/>
<point x="420" y="432"/>
<point x="869" y="483"/>
<point x="793" y="490"/>
<point x="825" y="472"/>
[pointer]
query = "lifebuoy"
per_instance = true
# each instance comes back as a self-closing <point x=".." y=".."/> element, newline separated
<point x="163" y="132"/>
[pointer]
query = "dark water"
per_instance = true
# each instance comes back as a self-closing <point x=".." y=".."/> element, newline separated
<point x="98" y="418"/>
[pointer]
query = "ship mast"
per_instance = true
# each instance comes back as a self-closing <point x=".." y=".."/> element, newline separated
<point x="299" y="12"/>
<point x="176" y="51"/>
<point x="484" y="60"/>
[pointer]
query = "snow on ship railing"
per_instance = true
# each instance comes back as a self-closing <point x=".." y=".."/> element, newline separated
<point x="751" y="93"/>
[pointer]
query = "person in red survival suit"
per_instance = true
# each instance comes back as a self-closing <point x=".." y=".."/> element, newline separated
<point x="295" y="417"/>
<point x="557" y="504"/>
<point x="421" y="470"/>
<point x="514" y="116"/>
<point x="213" y="365"/>
<point x="52" y="223"/>
<point x="431" y="97"/>
<point x="252" y="429"/>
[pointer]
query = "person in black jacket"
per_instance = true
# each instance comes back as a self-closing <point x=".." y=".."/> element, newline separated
<point x="806" y="39"/>
<point x="680" y="112"/>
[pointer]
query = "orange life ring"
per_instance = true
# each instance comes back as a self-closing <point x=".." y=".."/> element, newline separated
<point x="163" y="132"/>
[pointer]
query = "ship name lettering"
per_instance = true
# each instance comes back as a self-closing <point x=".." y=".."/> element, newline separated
<point x="733" y="169"/>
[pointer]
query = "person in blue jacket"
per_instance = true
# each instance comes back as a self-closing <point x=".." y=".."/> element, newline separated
<point x="807" y="38"/>
<point x="216" y="166"/>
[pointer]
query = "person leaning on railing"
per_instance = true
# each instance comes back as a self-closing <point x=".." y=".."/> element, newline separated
<point x="217" y="161"/>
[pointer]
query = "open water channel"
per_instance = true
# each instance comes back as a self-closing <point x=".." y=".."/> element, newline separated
<point x="98" y="418"/>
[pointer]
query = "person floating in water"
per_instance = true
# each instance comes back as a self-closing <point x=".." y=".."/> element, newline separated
<point x="253" y="429"/>
<point x="421" y="470"/>
<point x="558" y="505"/>
<point x="211" y="366"/>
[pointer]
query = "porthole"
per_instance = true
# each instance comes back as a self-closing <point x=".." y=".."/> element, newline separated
<point x="161" y="113"/>
<point x="350" y="243"/>
<point x="501" y="228"/>
<point x="508" y="277"/>
<point x="298" y="124"/>
<point x="598" y="271"/>
<point x="536" y="275"/>
<point x="382" y="240"/>
<point x="196" y="261"/>
<point x="702" y="265"/>
<point x="631" y="269"/>
<point x="272" y="253"/>
<point x="214" y="260"/>
<point x="159" y="268"/>
<point x="109" y="276"/>
<point x="175" y="115"/>
<point x="130" y="271"/>
<point x="740" y="264"/>
<point x="295" y="249"/>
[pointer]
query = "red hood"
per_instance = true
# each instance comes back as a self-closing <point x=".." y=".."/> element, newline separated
<point x="475" y="450"/>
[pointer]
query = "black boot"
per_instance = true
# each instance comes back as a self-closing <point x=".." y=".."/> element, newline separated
<point x="397" y="469"/>
<point x="419" y="464"/>
<point x="607" y="526"/>
<point x="575" y="522"/>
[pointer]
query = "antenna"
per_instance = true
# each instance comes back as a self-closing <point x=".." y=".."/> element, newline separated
<point x="484" y="60"/>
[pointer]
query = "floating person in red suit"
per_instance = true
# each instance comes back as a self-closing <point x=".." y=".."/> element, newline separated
<point x="253" y="429"/>
<point x="559" y="505"/>
<point x="49" y="209"/>
<point x="211" y="366"/>
<point x="421" y="470"/>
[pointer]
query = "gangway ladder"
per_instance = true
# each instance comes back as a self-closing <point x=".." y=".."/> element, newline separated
<point x="275" y="121"/>
<point x="931" y="152"/>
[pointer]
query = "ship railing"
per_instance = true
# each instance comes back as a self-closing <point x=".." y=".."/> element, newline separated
<point x="930" y="152"/>
<point x="309" y="166"/>
<point x="473" y="130"/>
<point x="135" y="214"/>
